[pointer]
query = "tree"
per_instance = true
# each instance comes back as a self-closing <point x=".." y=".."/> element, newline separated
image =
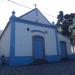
<point x="60" y="18"/>
<point x="67" y="24"/>
<point x="64" y="22"/>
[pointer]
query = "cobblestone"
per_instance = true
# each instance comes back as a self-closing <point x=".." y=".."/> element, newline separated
<point x="58" y="68"/>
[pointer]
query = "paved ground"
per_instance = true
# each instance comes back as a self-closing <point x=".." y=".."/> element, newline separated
<point x="59" y="68"/>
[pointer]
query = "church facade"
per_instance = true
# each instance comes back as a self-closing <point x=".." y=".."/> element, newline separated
<point x="31" y="38"/>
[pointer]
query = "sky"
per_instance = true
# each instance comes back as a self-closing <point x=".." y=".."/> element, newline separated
<point x="49" y="8"/>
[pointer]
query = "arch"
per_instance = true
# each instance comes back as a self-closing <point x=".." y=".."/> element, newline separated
<point x="38" y="31"/>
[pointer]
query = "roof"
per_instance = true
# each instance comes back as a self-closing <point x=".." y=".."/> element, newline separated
<point x="36" y="16"/>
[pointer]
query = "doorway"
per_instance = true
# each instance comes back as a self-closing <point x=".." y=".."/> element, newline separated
<point x="38" y="48"/>
<point x="63" y="49"/>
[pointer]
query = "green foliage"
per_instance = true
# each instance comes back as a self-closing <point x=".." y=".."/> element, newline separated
<point x="64" y="22"/>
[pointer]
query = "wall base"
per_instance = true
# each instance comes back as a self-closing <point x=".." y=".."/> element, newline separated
<point x="71" y="57"/>
<point x="25" y="60"/>
<point x="20" y="60"/>
<point x="53" y="58"/>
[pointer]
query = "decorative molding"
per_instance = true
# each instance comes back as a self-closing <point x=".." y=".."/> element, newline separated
<point x="35" y="23"/>
<point x="37" y="31"/>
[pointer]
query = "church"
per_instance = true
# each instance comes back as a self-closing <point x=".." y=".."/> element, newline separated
<point x="32" y="38"/>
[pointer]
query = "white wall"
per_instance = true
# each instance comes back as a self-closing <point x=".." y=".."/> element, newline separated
<point x="23" y="39"/>
<point x="50" y="43"/>
<point x="5" y="43"/>
<point x="23" y="42"/>
<point x="32" y="17"/>
<point x="62" y="38"/>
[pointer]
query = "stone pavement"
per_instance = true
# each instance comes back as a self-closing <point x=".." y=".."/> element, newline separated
<point x="58" y="68"/>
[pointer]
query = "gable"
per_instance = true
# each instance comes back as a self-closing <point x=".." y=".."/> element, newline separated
<point x="35" y="16"/>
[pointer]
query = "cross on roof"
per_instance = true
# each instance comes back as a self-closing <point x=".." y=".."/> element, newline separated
<point x="35" y="5"/>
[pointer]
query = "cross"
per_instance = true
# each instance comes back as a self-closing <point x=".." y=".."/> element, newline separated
<point x="35" y="5"/>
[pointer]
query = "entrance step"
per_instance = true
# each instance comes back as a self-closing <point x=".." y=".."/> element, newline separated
<point x="40" y="61"/>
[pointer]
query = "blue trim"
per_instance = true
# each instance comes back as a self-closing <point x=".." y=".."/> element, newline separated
<point x="37" y="31"/>
<point x="52" y="58"/>
<point x="29" y="22"/>
<point x="35" y="23"/>
<point x="57" y="42"/>
<point x="21" y="60"/>
<point x="12" y="39"/>
<point x="25" y="60"/>
<point x="71" y="57"/>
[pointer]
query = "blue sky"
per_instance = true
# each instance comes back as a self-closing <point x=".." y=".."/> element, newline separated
<point x="50" y="8"/>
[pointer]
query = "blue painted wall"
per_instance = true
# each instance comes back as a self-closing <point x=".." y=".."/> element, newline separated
<point x="20" y="60"/>
<point x="53" y="58"/>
